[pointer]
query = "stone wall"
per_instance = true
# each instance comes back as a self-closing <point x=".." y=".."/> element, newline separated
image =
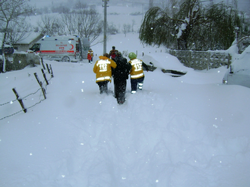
<point x="201" y="60"/>
<point x="21" y="60"/>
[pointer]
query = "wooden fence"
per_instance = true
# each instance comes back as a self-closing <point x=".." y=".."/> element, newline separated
<point x="201" y="60"/>
<point x="43" y="85"/>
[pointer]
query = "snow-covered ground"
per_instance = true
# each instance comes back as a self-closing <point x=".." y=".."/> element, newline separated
<point x="190" y="131"/>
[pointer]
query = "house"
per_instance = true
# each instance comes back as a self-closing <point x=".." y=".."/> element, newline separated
<point x="28" y="41"/>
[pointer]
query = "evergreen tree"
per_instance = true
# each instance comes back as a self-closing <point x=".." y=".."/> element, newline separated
<point x="191" y="26"/>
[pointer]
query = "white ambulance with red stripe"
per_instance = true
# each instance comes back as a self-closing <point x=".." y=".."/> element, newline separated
<point x="61" y="48"/>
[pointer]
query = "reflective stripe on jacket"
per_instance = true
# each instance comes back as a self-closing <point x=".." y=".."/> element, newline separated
<point x="137" y="69"/>
<point x="102" y="69"/>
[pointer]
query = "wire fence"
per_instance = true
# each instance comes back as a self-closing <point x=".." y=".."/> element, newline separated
<point x="42" y="90"/>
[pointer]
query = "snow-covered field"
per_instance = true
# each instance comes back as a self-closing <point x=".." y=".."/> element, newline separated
<point x="190" y="131"/>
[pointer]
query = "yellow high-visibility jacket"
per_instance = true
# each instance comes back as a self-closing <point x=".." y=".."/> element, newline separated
<point x="137" y="69"/>
<point x="103" y="70"/>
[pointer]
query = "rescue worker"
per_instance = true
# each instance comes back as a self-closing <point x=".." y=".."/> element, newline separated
<point x="113" y="53"/>
<point x="120" y="74"/>
<point x="90" y="55"/>
<point x="103" y="71"/>
<point x="136" y="73"/>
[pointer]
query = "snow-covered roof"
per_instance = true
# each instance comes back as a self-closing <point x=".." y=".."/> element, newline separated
<point x="29" y="37"/>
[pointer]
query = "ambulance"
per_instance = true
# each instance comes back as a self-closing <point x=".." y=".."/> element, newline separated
<point x="61" y="48"/>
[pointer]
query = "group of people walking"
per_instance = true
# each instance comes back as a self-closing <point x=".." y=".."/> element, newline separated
<point x="114" y="64"/>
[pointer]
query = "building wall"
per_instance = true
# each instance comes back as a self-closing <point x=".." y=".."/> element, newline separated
<point x="21" y="47"/>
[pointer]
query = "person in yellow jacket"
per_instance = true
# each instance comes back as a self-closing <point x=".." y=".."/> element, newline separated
<point x="136" y="73"/>
<point x="103" y="70"/>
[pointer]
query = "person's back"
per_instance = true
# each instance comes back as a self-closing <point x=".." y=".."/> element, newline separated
<point x="122" y="70"/>
<point x="103" y="70"/>
<point x="120" y="74"/>
<point x="136" y="73"/>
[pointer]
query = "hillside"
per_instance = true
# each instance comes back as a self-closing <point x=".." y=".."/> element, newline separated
<point x="180" y="132"/>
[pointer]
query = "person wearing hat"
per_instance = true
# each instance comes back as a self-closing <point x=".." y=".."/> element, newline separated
<point x="136" y="73"/>
<point x="120" y="75"/>
<point x="90" y="55"/>
<point x="103" y="70"/>
<point x="113" y="53"/>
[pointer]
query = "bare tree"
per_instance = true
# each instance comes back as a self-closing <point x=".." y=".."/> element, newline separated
<point x="89" y="24"/>
<point x="17" y="31"/>
<point x="126" y="29"/>
<point x="70" y="24"/>
<point x="112" y="29"/>
<point x="13" y="11"/>
<point x="51" y="25"/>
<point x="85" y="23"/>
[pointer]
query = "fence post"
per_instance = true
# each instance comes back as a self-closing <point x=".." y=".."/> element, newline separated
<point x="44" y="76"/>
<point x="42" y="63"/>
<point x="47" y="67"/>
<point x="41" y="85"/>
<point x="52" y="75"/>
<point x="19" y="100"/>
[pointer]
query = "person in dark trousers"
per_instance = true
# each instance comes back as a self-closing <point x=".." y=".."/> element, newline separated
<point x="103" y="70"/>
<point x="120" y="75"/>
<point x="136" y="74"/>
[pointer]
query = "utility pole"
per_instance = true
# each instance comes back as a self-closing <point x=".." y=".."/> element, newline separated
<point x="105" y="26"/>
<point x="3" y="55"/>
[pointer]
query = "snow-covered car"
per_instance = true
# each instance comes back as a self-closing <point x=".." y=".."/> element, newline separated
<point x="8" y="50"/>
<point x="239" y="71"/>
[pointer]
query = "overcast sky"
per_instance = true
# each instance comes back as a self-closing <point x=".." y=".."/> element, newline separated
<point x="242" y="4"/>
<point x="42" y="3"/>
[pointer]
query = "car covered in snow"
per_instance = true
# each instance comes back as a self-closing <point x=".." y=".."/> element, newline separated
<point x="8" y="50"/>
<point x="239" y="71"/>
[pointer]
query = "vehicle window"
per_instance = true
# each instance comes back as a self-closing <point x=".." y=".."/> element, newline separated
<point x="35" y="47"/>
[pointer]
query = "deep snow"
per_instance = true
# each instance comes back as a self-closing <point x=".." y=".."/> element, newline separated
<point x="190" y="131"/>
<point x="180" y="132"/>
